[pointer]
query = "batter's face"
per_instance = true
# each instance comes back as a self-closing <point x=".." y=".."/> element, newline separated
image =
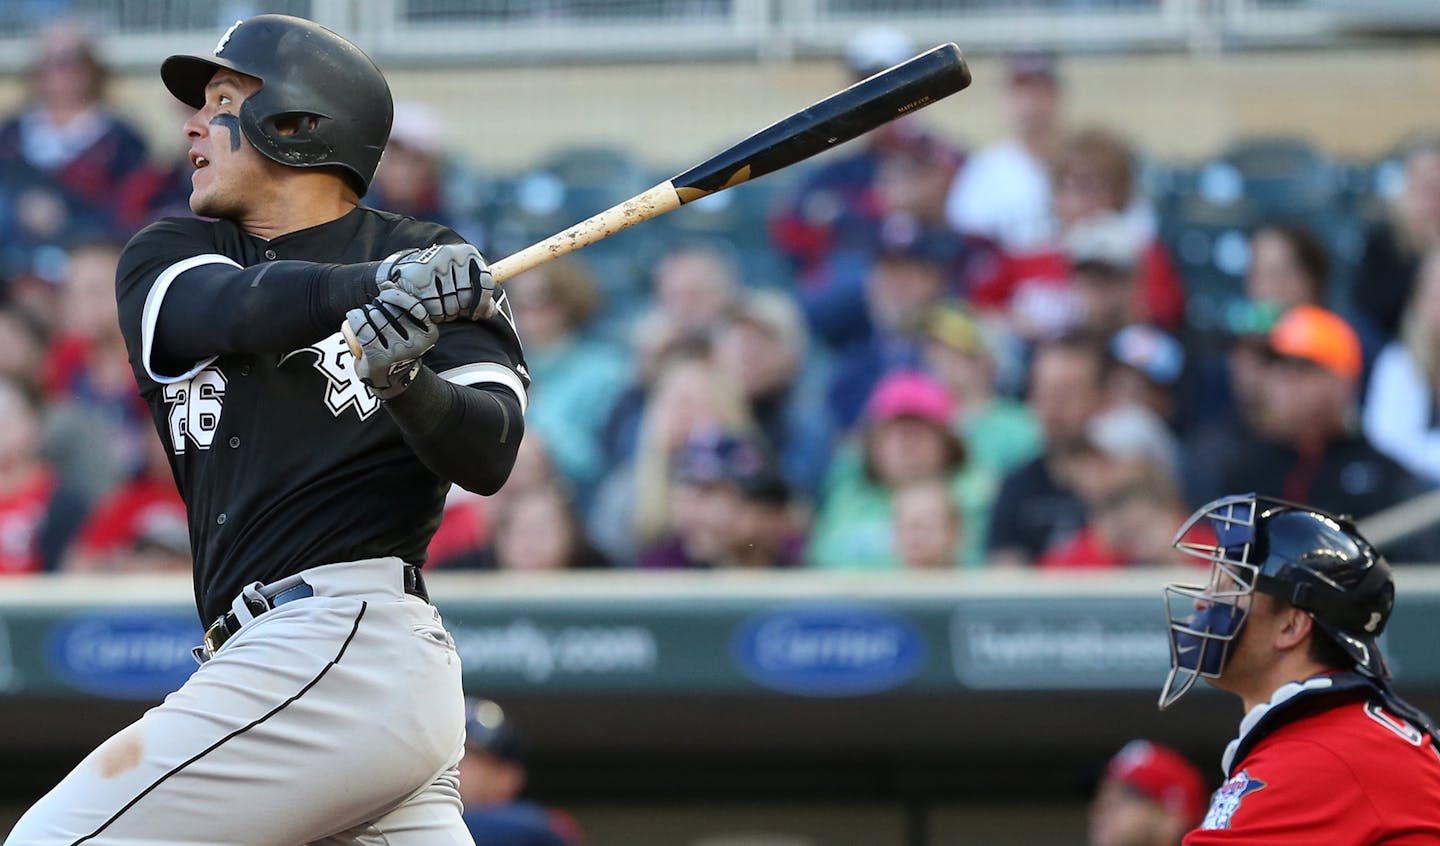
<point x="229" y="173"/>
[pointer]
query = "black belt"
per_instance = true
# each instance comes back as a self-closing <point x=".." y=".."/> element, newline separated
<point x="281" y="592"/>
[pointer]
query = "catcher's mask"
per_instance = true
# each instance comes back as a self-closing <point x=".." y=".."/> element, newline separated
<point x="1312" y="560"/>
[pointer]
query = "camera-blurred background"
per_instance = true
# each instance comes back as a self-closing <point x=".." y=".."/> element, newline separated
<point x="846" y="494"/>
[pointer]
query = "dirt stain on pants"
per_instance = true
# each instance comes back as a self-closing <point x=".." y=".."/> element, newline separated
<point x="121" y="753"/>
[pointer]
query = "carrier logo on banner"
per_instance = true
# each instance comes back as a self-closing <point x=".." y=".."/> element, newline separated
<point x="829" y="650"/>
<point x="123" y="656"/>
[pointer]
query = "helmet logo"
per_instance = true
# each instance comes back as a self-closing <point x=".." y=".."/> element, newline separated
<point x="1374" y="621"/>
<point x="225" y="39"/>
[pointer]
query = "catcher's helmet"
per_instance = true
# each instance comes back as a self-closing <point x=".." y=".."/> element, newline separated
<point x="1313" y="560"/>
<point x="307" y="72"/>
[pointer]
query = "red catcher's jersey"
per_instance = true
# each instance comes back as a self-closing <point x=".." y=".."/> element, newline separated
<point x="1353" y="774"/>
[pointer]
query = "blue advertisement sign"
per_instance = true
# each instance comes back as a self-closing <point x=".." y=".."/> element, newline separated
<point x="829" y="650"/>
<point x="123" y="655"/>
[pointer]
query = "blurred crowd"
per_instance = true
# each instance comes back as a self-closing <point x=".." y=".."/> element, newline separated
<point x="907" y="354"/>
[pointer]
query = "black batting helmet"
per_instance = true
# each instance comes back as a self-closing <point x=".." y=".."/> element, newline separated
<point x="338" y="95"/>
<point x="1314" y="560"/>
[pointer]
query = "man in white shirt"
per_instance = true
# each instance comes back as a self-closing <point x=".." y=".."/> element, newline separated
<point x="1003" y="192"/>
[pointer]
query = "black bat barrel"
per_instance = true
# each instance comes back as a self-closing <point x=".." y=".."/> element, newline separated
<point x="844" y="115"/>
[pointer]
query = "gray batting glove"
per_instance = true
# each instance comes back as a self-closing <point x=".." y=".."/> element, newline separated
<point x="394" y="331"/>
<point x="451" y="280"/>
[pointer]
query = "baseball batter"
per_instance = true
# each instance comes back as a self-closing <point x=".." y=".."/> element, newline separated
<point x="327" y="707"/>
<point x="1327" y="752"/>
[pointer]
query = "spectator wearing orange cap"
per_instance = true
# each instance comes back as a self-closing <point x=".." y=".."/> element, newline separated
<point x="1150" y="796"/>
<point x="1308" y="449"/>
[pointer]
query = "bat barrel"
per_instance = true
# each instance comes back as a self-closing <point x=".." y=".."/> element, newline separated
<point x="867" y="104"/>
<point x="847" y="114"/>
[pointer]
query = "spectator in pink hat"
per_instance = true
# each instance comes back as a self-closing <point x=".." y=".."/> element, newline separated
<point x="1150" y="795"/>
<point x="906" y="438"/>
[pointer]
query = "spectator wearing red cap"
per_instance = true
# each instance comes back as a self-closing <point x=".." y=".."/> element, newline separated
<point x="906" y="438"/>
<point x="1309" y="451"/>
<point x="1150" y="795"/>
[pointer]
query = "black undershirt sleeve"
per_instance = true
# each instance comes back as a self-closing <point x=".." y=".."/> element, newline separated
<point x="216" y="309"/>
<point x="468" y="435"/>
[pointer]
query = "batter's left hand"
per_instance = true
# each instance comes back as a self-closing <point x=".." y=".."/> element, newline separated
<point x="453" y="281"/>
<point x="394" y="331"/>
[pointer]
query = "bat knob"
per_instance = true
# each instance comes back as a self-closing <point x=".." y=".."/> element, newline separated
<point x="352" y="341"/>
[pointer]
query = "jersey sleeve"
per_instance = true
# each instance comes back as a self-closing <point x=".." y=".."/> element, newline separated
<point x="478" y="353"/>
<point x="1294" y="792"/>
<point x="157" y="256"/>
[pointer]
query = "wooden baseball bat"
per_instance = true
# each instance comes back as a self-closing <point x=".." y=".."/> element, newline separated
<point x="870" y="103"/>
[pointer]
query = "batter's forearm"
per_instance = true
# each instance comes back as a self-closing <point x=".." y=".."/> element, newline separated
<point x="276" y="307"/>
<point x="465" y="435"/>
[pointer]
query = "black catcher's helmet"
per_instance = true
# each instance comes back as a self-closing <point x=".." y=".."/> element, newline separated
<point x="306" y="72"/>
<point x="1314" y="560"/>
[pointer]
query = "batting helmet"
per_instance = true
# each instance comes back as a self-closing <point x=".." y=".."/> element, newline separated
<point x="1306" y="557"/>
<point x="333" y="93"/>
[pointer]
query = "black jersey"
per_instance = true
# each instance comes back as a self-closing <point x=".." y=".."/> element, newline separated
<point x="287" y="461"/>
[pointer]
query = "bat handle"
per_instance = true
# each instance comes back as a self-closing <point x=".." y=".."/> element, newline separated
<point x="648" y="204"/>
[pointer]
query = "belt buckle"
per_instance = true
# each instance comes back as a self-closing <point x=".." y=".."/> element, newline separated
<point x="215" y="637"/>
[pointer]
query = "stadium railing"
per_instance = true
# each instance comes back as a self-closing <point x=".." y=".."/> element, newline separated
<point x="430" y="32"/>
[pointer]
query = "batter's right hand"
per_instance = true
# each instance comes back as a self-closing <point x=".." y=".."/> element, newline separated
<point x="394" y="332"/>
<point x="450" y="280"/>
